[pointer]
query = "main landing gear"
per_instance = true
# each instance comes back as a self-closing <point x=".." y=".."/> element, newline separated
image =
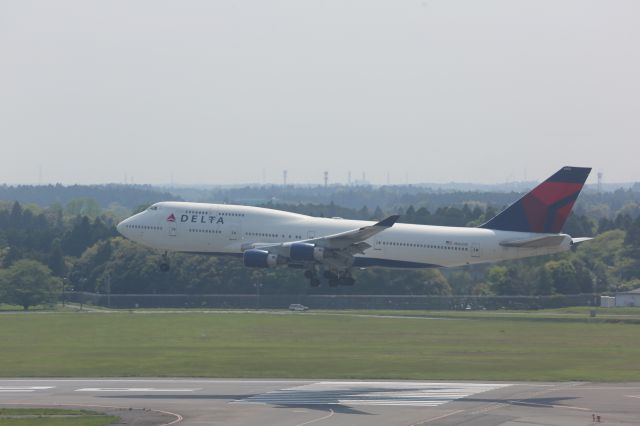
<point x="164" y="264"/>
<point x="334" y="279"/>
<point x="311" y="275"/>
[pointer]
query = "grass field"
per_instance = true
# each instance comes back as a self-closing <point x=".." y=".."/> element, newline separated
<point x="53" y="417"/>
<point x="210" y="344"/>
<point x="578" y="313"/>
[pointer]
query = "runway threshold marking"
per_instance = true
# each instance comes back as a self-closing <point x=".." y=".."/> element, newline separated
<point x="414" y="394"/>
<point x="633" y="396"/>
<point x="133" y="390"/>
<point x="24" y="388"/>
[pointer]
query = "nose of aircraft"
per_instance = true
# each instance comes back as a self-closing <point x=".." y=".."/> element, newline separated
<point x="121" y="227"/>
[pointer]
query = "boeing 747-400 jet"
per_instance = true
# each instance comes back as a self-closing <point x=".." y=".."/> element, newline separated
<point x="332" y="247"/>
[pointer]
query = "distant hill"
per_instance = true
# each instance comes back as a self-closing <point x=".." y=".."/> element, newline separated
<point x="388" y="198"/>
<point x="129" y="196"/>
<point x="392" y="198"/>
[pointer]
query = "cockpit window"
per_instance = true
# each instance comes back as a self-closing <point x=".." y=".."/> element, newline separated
<point x="153" y="208"/>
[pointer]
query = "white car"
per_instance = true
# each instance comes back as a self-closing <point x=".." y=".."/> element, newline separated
<point x="298" y="307"/>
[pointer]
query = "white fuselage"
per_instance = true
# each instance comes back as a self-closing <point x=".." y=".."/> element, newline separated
<point x="229" y="229"/>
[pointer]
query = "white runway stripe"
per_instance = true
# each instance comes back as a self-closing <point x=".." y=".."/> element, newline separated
<point x="417" y="394"/>
<point x="24" y="388"/>
<point x="133" y="390"/>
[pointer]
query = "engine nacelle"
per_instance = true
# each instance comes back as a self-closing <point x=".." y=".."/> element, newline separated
<point x="305" y="252"/>
<point x="259" y="259"/>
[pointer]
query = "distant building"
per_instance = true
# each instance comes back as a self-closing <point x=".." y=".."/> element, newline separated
<point x="607" y="302"/>
<point x="628" y="298"/>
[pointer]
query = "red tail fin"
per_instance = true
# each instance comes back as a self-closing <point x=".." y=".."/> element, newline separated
<point x="546" y="208"/>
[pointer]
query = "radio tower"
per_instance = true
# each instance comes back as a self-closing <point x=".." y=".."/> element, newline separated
<point x="284" y="177"/>
<point x="599" y="182"/>
<point x="326" y="179"/>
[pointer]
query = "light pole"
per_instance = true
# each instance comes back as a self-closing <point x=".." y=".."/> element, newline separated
<point x="83" y="282"/>
<point x="65" y="280"/>
<point x="108" y="290"/>
<point x="257" y="286"/>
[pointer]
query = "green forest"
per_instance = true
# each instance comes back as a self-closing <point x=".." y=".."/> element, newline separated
<point x="74" y="244"/>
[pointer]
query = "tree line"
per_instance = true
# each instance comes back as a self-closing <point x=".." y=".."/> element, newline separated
<point x="76" y="246"/>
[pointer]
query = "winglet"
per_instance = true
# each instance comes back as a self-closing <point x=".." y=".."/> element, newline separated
<point x="388" y="222"/>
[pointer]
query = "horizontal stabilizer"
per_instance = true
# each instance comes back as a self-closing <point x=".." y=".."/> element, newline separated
<point x="536" y="242"/>
<point x="580" y="240"/>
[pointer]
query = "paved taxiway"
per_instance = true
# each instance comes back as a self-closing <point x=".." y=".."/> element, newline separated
<point x="331" y="402"/>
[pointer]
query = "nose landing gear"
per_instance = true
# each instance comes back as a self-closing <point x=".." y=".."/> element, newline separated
<point x="164" y="264"/>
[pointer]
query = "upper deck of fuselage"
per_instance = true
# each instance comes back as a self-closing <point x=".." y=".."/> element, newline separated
<point x="335" y="224"/>
<point x="229" y="210"/>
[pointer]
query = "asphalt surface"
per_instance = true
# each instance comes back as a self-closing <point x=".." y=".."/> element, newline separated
<point x="329" y="402"/>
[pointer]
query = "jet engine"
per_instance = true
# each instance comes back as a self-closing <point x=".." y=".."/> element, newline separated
<point x="305" y="252"/>
<point x="259" y="259"/>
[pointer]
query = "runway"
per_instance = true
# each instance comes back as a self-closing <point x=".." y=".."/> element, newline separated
<point x="330" y="402"/>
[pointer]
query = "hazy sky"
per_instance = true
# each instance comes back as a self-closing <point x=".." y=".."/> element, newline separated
<point x="230" y="91"/>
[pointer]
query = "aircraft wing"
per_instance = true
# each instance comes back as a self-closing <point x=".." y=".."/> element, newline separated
<point x="351" y="241"/>
<point x="345" y="239"/>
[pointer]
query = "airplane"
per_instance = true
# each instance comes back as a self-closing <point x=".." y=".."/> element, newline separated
<point x="332" y="248"/>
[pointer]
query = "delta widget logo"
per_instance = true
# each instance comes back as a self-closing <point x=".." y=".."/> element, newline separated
<point x="171" y="218"/>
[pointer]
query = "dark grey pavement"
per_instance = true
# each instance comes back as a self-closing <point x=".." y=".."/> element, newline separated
<point x="332" y="402"/>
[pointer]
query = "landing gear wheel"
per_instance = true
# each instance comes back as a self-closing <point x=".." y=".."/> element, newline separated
<point x="165" y="266"/>
<point x="312" y="276"/>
